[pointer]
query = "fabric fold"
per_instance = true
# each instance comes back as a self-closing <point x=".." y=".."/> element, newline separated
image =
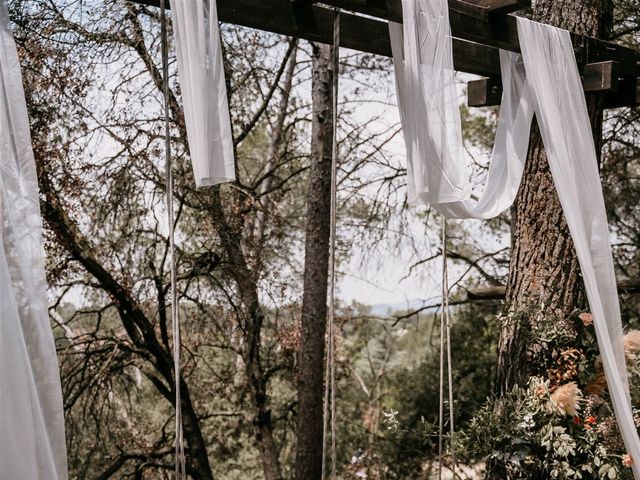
<point x="430" y="116"/>
<point x="204" y="91"/>
<point x="561" y="111"/>
<point x="32" y="444"/>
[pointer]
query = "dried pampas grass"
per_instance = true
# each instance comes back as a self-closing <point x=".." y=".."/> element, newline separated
<point x="566" y="399"/>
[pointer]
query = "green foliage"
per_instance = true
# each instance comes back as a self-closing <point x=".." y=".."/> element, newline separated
<point x="549" y="428"/>
<point x="389" y="401"/>
<point x="526" y="434"/>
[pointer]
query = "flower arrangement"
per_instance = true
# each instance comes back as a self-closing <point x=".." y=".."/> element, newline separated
<point x="560" y="424"/>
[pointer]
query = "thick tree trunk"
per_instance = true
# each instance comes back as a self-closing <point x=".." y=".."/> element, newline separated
<point x="314" y="303"/>
<point x="544" y="268"/>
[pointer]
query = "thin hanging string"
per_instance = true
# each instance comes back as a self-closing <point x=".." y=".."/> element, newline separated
<point x="330" y="371"/>
<point x="445" y="336"/>
<point x="180" y="460"/>
<point x="447" y="317"/>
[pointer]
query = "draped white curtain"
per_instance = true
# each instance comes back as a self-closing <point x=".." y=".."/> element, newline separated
<point x="544" y="80"/>
<point x="32" y="440"/>
<point x="204" y="91"/>
<point x="428" y="101"/>
<point x="561" y="111"/>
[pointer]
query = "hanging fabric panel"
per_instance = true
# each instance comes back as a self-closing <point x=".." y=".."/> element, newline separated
<point x="204" y="91"/>
<point x="32" y="440"/>
<point x="561" y="111"/>
<point x="544" y="80"/>
<point x="427" y="96"/>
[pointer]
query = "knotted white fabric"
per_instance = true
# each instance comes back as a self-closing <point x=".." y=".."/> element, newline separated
<point x="204" y="92"/>
<point x="32" y="440"/>
<point x="428" y="102"/>
<point x="544" y="80"/>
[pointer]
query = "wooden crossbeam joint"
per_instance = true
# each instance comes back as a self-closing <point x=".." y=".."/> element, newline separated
<point x="625" y="287"/>
<point x="603" y="77"/>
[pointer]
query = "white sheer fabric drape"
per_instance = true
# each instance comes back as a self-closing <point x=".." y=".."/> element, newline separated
<point x="561" y="111"/>
<point x="204" y="92"/>
<point x="544" y="80"/>
<point x="32" y="440"/>
<point x="427" y="96"/>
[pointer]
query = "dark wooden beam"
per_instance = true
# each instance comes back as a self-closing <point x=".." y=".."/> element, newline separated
<point x="474" y="23"/>
<point x="315" y="23"/>
<point x="597" y="77"/>
<point x="625" y="287"/>
<point x="484" y="92"/>
<point x="478" y="32"/>
<point x="502" y="6"/>
<point x="601" y="77"/>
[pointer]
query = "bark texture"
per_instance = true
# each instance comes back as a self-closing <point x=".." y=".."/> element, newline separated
<point x="544" y="268"/>
<point x="314" y="303"/>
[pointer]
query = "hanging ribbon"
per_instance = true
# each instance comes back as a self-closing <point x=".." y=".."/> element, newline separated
<point x="330" y="368"/>
<point x="180" y="460"/>
<point x="32" y="444"/>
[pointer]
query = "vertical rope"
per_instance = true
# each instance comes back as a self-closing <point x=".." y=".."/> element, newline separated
<point x="445" y="336"/>
<point x="441" y="398"/>
<point x="334" y="201"/>
<point x="447" y="317"/>
<point x="330" y="371"/>
<point x="180" y="461"/>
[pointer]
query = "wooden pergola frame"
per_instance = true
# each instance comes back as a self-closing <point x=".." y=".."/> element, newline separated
<point x="480" y="28"/>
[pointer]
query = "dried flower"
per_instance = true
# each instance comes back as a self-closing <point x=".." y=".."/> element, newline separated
<point x="587" y="318"/>
<point x="627" y="460"/>
<point x="598" y="385"/>
<point x="566" y="399"/>
<point x="567" y="366"/>
<point x="589" y="422"/>
<point x="541" y="390"/>
<point x="632" y="343"/>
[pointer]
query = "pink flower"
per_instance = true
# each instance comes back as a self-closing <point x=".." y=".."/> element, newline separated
<point x="586" y="318"/>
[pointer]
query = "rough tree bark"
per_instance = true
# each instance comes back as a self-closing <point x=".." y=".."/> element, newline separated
<point x="314" y="302"/>
<point x="544" y="268"/>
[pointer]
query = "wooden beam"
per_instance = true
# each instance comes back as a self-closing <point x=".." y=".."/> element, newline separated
<point x="601" y="77"/>
<point x="625" y="287"/>
<point x="474" y="23"/>
<point x="477" y="32"/>
<point x="597" y="77"/>
<point x="484" y="92"/>
<point x="315" y="23"/>
<point x="502" y="6"/>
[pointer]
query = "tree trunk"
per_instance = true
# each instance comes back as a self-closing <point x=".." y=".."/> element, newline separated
<point x="314" y="302"/>
<point x="544" y="268"/>
<point x="253" y="318"/>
